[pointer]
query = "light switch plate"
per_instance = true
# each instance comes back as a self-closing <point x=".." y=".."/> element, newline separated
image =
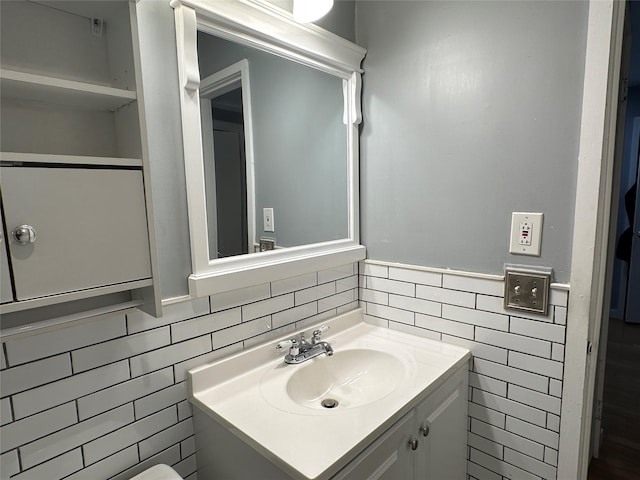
<point x="526" y="233"/>
<point x="269" y="222"/>
<point x="527" y="290"/>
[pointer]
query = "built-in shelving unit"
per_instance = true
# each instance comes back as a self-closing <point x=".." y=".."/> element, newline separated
<point x="58" y="91"/>
<point x="70" y="137"/>
<point x="47" y="158"/>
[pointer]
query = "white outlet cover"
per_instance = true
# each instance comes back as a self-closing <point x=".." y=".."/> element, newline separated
<point x="533" y="222"/>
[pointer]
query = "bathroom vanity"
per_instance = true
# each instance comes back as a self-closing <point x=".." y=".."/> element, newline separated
<point x="385" y="405"/>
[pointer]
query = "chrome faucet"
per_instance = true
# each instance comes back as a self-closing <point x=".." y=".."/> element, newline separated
<point x="300" y="350"/>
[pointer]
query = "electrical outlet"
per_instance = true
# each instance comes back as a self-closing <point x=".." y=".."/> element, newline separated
<point x="269" y="224"/>
<point x="527" y="290"/>
<point x="96" y="27"/>
<point x="526" y="233"/>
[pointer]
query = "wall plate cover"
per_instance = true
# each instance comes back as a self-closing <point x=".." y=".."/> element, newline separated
<point x="527" y="290"/>
<point x="267" y="244"/>
<point x="526" y="233"/>
<point x="268" y="221"/>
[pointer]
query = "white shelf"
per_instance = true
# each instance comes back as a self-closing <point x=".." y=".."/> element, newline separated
<point x="69" y="159"/>
<point x="40" y="88"/>
<point x="21" y="305"/>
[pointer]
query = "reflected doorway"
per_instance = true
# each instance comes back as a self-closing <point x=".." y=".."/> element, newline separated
<point x="225" y="111"/>
<point x="230" y="174"/>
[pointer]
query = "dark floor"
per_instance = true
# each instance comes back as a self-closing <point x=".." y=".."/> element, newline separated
<point x="620" y="452"/>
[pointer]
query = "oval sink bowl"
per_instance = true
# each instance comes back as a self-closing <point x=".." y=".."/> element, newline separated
<point x="349" y="378"/>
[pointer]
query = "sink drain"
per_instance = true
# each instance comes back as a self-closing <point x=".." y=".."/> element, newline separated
<point x="329" y="403"/>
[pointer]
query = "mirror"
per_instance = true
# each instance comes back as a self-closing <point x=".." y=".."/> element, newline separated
<point x="293" y="159"/>
<point x="270" y="113"/>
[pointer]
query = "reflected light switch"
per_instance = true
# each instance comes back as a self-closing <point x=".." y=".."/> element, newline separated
<point x="267" y="214"/>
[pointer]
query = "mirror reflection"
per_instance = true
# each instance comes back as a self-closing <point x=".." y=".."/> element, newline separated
<point x="275" y="150"/>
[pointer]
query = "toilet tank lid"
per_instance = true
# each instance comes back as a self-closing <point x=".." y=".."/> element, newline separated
<point x="158" y="472"/>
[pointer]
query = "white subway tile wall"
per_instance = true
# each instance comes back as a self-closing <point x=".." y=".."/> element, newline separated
<point x="515" y="377"/>
<point x="107" y="399"/>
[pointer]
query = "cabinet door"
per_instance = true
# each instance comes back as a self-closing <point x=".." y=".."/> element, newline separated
<point x="6" y="294"/>
<point x="90" y="227"/>
<point x="388" y="458"/>
<point x="442" y="428"/>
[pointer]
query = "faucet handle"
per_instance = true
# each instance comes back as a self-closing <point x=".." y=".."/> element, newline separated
<point x="322" y="329"/>
<point x="285" y="344"/>
<point x="291" y="344"/>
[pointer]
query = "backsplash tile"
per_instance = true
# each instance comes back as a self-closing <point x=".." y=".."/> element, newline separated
<point x="236" y="298"/>
<point x="314" y="293"/>
<point x="442" y="295"/>
<point x="108" y="352"/>
<point x="288" y="285"/>
<point x="160" y="400"/>
<point x="124" y="392"/>
<point x="59" y="467"/>
<point x="6" y="415"/>
<point x="107" y="399"/>
<point x="161" y="440"/>
<point x="138" y="321"/>
<point x="332" y="274"/>
<point x="35" y="347"/>
<point x="67" y="389"/>
<point x="202" y="325"/>
<point x="3" y="361"/>
<point x="132" y="433"/>
<point x="476" y="317"/>
<point x="9" y="463"/>
<point x="515" y="378"/>
<point x="109" y="466"/>
<point x="415" y="276"/>
<point x="74" y="436"/>
<point x="23" y="431"/>
<point x="418" y="305"/>
<point x="473" y="284"/>
<point x="30" y="375"/>
<point x="510" y="375"/>
<point x="156" y="359"/>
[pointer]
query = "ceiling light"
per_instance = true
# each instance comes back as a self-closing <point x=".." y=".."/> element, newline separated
<point x="305" y="11"/>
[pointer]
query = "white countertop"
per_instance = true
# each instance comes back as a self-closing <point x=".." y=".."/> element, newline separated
<point x="246" y="393"/>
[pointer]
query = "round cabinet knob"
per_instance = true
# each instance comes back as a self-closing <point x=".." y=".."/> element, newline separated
<point x="425" y="431"/>
<point x="24" y="234"/>
<point x="413" y="443"/>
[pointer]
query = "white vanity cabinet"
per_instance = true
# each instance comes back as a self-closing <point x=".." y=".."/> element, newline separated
<point x="428" y="443"/>
<point x="74" y="179"/>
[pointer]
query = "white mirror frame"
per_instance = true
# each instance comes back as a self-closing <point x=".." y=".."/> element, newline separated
<point x="263" y="26"/>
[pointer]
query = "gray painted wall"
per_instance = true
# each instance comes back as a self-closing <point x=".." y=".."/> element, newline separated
<point x="341" y="19"/>
<point x="299" y="142"/>
<point x="472" y="111"/>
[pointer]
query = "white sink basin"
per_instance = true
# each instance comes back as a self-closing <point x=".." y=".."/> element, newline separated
<point x="346" y="379"/>
<point x="376" y="375"/>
